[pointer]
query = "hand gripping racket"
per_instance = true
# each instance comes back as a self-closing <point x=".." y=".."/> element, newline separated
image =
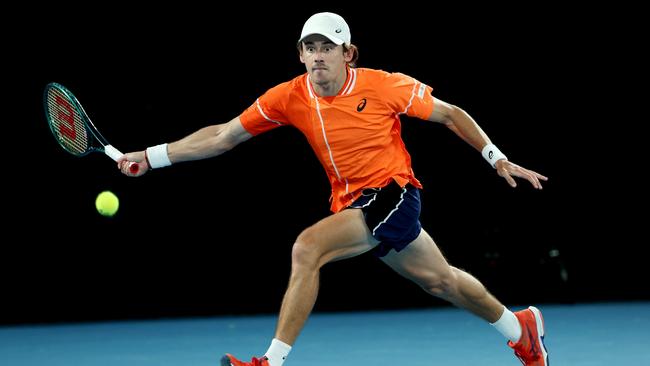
<point x="71" y="126"/>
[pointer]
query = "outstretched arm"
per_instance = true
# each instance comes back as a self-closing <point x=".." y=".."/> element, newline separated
<point x="205" y="143"/>
<point x="466" y="128"/>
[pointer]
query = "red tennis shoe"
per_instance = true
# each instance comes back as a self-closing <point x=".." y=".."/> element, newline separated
<point x="530" y="348"/>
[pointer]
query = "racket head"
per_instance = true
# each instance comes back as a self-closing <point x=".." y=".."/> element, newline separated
<point x="69" y="122"/>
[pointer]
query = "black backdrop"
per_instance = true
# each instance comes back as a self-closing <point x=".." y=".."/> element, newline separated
<point x="214" y="237"/>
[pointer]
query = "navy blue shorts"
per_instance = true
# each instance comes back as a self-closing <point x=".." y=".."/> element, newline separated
<point x="392" y="214"/>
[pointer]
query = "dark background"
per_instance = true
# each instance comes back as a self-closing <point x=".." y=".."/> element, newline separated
<point x="214" y="236"/>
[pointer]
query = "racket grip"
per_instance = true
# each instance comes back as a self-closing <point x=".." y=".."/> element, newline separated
<point x="112" y="152"/>
<point x="115" y="154"/>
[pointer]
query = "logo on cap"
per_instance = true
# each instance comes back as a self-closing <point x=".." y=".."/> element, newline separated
<point x="338" y="30"/>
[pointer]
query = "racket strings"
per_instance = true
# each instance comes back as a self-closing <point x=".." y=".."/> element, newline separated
<point x="67" y="124"/>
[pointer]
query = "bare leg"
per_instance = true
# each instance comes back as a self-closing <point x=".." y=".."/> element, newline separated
<point x="422" y="262"/>
<point x="336" y="237"/>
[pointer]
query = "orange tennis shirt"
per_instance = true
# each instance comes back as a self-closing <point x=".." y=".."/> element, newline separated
<point x="356" y="134"/>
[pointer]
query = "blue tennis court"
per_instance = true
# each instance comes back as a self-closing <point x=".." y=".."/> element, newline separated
<point x="581" y="334"/>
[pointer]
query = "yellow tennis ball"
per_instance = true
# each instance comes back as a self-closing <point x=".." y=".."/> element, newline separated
<point x="107" y="203"/>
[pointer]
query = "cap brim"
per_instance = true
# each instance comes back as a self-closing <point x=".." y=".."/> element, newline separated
<point x="335" y="40"/>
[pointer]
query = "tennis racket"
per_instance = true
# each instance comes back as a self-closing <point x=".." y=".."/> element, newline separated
<point x="72" y="127"/>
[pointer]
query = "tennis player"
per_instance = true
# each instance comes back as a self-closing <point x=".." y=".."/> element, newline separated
<point x="351" y="118"/>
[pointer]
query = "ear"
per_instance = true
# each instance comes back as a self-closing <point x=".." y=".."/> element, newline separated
<point x="347" y="55"/>
<point x="302" y="59"/>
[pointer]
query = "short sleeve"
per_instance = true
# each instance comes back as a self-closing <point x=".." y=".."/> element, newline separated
<point x="266" y="113"/>
<point x="406" y="95"/>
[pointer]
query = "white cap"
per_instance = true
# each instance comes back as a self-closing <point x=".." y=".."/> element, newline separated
<point x="330" y="25"/>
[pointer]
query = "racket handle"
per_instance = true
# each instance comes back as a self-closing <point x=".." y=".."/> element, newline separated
<point x="112" y="152"/>
<point x="115" y="154"/>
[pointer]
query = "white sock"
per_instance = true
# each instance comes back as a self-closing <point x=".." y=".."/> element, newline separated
<point x="508" y="325"/>
<point x="278" y="352"/>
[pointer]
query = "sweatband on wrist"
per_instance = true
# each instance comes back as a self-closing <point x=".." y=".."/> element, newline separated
<point x="492" y="154"/>
<point x="158" y="157"/>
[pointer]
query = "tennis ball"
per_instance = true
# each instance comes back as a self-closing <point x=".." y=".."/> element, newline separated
<point x="107" y="203"/>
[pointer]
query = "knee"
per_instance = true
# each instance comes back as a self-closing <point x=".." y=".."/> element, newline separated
<point x="442" y="284"/>
<point x="305" y="253"/>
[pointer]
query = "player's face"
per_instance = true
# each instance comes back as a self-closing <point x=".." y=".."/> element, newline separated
<point x="324" y="60"/>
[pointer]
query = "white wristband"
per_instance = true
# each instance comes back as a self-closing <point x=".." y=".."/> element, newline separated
<point x="492" y="154"/>
<point x="157" y="156"/>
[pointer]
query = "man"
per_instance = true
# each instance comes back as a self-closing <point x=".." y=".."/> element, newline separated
<point x="350" y="118"/>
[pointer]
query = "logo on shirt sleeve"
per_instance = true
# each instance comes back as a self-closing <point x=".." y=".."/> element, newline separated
<point x="361" y="105"/>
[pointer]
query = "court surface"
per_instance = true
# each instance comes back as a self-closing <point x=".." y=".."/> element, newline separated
<point x="576" y="335"/>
